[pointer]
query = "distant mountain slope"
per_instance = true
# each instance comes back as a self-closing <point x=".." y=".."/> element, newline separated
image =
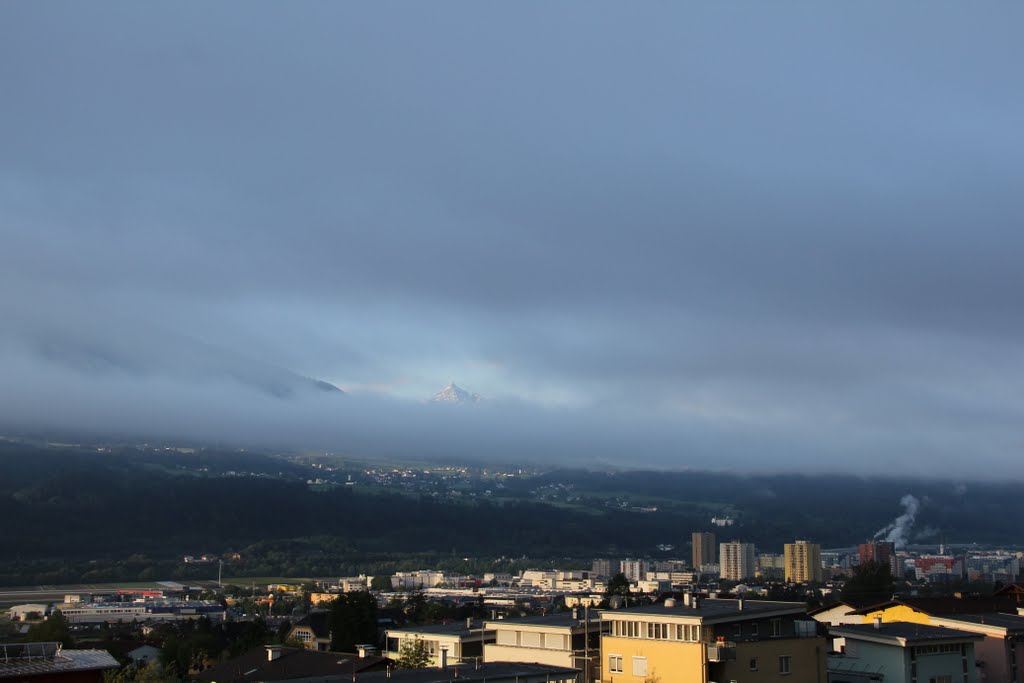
<point x="147" y="353"/>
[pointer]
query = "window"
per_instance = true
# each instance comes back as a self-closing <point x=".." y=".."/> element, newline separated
<point x="754" y="630"/>
<point x="753" y="663"/>
<point x="737" y="630"/>
<point x="639" y="666"/>
<point x="948" y="678"/>
<point x="784" y="664"/>
<point x="615" y="664"/>
<point x="776" y="625"/>
<point x="936" y="649"/>
<point x="657" y="631"/>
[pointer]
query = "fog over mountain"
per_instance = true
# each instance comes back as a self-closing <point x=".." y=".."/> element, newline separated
<point x="738" y="237"/>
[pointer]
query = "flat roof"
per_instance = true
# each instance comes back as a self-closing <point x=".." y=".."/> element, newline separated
<point x="453" y="629"/>
<point x="713" y="609"/>
<point x="486" y="672"/>
<point x="902" y="633"/>
<point x="556" y="619"/>
<point x="1010" y="622"/>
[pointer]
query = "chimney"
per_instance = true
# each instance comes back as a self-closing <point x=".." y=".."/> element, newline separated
<point x="274" y="652"/>
<point x="878" y="622"/>
<point x="739" y="604"/>
<point x="469" y="623"/>
<point x="695" y="602"/>
<point x="688" y="599"/>
<point x="444" y="659"/>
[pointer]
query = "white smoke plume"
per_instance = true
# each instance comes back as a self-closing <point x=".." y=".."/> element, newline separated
<point x="898" y="531"/>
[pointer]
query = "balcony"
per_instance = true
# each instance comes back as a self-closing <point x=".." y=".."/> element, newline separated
<point x="722" y="651"/>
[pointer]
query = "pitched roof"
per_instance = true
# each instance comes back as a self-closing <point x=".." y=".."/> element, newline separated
<point x="1013" y="589"/>
<point x="851" y="604"/>
<point x="316" y="620"/>
<point x="950" y="605"/>
<point x="293" y="663"/>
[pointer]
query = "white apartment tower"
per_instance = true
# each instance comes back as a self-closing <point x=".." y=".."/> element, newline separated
<point x="736" y="561"/>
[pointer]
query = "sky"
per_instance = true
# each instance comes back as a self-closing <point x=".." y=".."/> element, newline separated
<point x="749" y="236"/>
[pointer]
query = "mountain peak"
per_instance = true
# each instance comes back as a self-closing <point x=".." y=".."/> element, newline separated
<point x="453" y="393"/>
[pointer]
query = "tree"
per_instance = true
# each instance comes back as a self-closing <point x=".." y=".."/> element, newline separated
<point x="871" y="581"/>
<point x="153" y="672"/>
<point x="413" y="654"/>
<point x="352" y="621"/>
<point x="618" y="585"/>
<point x="381" y="582"/>
<point x="54" y="629"/>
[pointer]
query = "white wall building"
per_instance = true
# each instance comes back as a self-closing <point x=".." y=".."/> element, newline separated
<point x="736" y="561"/>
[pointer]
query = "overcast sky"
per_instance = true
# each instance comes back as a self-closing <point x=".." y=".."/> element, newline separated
<point x="751" y="235"/>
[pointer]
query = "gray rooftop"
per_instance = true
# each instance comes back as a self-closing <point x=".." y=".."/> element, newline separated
<point x="716" y="609"/>
<point x="1011" y="622"/>
<point x="491" y="671"/>
<point x="903" y="632"/>
<point x="556" y="619"/>
<point x="53" y="661"/>
<point x="453" y="629"/>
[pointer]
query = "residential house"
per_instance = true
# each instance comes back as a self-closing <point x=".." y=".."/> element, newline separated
<point x="565" y="639"/>
<point x="312" y="631"/>
<point x="454" y="643"/>
<point x="1014" y="591"/>
<point x="923" y="610"/>
<point x="902" y="652"/>
<point x="703" y="640"/>
<point x="1000" y="655"/>
<point x="273" y="663"/>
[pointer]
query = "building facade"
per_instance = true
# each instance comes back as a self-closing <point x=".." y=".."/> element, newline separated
<point x="566" y="639"/>
<point x="703" y="549"/>
<point x="900" y="652"/>
<point x="736" y="561"/>
<point x="699" y="641"/>
<point x="803" y="562"/>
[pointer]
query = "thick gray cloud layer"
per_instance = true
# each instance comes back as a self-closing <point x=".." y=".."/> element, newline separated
<point x="753" y="236"/>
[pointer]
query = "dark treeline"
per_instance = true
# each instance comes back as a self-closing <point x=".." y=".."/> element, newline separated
<point x="67" y="511"/>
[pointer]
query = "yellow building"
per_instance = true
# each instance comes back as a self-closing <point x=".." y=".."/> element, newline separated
<point x="803" y="562"/>
<point x="926" y="610"/>
<point x="322" y="598"/>
<point x="699" y="641"/>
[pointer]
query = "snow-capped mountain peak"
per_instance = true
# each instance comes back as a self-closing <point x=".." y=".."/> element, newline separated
<point x="455" y="394"/>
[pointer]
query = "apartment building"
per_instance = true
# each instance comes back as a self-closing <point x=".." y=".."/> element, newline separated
<point x="1000" y="655"/>
<point x="566" y="639"/>
<point x="803" y="562"/>
<point x="457" y="643"/>
<point x="703" y="549"/>
<point x="900" y="652"/>
<point x="736" y="561"/>
<point x="706" y="640"/>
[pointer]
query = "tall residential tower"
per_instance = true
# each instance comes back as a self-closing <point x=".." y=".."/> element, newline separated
<point x="703" y="549"/>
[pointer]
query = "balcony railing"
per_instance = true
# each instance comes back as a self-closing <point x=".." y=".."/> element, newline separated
<point x="722" y="651"/>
